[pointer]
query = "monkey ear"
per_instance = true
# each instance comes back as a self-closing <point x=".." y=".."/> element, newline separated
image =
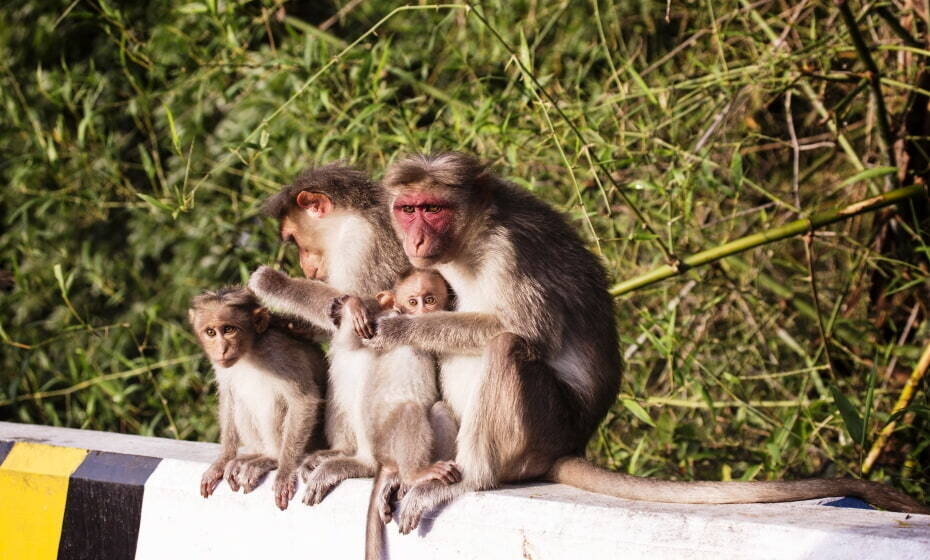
<point x="316" y="204"/>
<point x="261" y="319"/>
<point x="385" y="299"/>
<point x="190" y="316"/>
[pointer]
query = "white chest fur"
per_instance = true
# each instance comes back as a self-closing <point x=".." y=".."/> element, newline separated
<point x="351" y="238"/>
<point x="350" y="368"/>
<point x="259" y="405"/>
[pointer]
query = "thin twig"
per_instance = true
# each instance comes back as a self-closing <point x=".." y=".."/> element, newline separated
<point x="340" y="14"/>
<point x="795" y="152"/>
<point x="824" y="336"/>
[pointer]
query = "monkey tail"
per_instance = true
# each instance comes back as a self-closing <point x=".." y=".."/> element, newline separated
<point x="577" y="472"/>
<point x="374" y="529"/>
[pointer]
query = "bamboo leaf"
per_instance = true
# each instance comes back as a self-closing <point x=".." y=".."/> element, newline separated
<point x="175" y="140"/>
<point x="851" y="418"/>
<point x="638" y="411"/>
<point x="866" y="174"/>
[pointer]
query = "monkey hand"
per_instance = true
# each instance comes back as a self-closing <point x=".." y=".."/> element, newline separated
<point x="211" y="478"/>
<point x="266" y="280"/>
<point x="285" y="487"/>
<point x="354" y="312"/>
<point x="390" y="331"/>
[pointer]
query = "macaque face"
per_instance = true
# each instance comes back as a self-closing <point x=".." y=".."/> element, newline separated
<point x="424" y="219"/>
<point x="421" y="292"/>
<point x="302" y="229"/>
<point x="227" y="333"/>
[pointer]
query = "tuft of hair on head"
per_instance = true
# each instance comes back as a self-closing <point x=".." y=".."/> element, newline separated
<point x="453" y="170"/>
<point x="231" y="296"/>
<point x="346" y="186"/>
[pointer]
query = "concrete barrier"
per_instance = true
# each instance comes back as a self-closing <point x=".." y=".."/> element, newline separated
<point x="80" y="494"/>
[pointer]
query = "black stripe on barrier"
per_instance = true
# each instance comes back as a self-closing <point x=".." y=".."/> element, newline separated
<point x="5" y="447"/>
<point x="104" y="506"/>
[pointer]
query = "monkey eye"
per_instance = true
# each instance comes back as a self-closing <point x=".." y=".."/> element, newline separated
<point x="229" y="329"/>
<point x="429" y="300"/>
<point x="407" y="209"/>
<point x="412" y="302"/>
<point x="211" y="332"/>
<point x="432" y="208"/>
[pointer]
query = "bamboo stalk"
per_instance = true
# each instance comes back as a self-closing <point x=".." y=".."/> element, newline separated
<point x="907" y="393"/>
<point x="791" y="229"/>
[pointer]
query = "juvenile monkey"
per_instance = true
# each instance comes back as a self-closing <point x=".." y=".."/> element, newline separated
<point x="388" y="401"/>
<point x="412" y="433"/>
<point x="529" y="358"/>
<point x="269" y="392"/>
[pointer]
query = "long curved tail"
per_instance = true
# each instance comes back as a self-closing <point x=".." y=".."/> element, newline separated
<point x="374" y="528"/>
<point x="577" y="472"/>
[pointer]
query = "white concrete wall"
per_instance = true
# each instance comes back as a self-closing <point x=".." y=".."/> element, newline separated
<point x="535" y="521"/>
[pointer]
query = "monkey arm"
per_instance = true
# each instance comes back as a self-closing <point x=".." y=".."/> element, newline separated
<point x="229" y="436"/>
<point x="440" y="331"/>
<point x="229" y="445"/>
<point x="297" y="426"/>
<point x="310" y="300"/>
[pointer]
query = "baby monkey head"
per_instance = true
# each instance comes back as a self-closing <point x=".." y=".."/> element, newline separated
<point x="417" y="292"/>
<point x="227" y="323"/>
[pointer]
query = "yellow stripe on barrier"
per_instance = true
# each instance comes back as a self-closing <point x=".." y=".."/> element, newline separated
<point x="33" y="491"/>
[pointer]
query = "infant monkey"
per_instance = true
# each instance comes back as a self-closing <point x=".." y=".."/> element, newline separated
<point x="412" y="432"/>
<point x="269" y="391"/>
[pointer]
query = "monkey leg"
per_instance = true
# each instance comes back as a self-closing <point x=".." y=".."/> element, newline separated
<point x="330" y="473"/>
<point x="522" y="419"/>
<point x="317" y="458"/>
<point x="445" y="429"/>
<point x="231" y="471"/>
<point x="251" y="472"/>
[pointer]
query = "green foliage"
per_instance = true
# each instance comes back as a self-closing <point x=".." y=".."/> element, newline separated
<point x="138" y="139"/>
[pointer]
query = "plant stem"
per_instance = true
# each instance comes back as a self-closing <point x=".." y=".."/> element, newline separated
<point x="769" y="236"/>
<point x="907" y="393"/>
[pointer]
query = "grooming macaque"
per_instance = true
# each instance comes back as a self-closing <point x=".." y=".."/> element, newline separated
<point x="529" y="357"/>
<point x="336" y="217"/>
<point x="269" y="392"/>
<point x="411" y="434"/>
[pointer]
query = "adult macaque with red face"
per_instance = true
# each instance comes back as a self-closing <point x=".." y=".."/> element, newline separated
<point x="529" y="358"/>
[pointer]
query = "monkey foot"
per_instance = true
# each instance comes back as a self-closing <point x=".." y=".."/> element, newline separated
<point x="210" y="480"/>
<point x="252" y="472"/>
<point x="316" y="491"/>
<point x="319" y="484"/>
<point x="231" y="473"/>
<point x="386" y="496"/>
<point x="285" y="487"/>
<point x="418" y="500"/>
<point x="314" y="460"/>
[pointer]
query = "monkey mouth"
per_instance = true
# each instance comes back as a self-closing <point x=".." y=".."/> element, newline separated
<point x="228" y="363"/>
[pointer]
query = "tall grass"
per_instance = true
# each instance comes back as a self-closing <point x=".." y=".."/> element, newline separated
<point x="138" y="140"/>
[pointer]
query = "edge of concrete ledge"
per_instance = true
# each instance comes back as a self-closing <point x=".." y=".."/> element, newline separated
<point x="138" y="496"/>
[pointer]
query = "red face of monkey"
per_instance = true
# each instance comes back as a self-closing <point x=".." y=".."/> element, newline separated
<point x="425" y="221"/>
